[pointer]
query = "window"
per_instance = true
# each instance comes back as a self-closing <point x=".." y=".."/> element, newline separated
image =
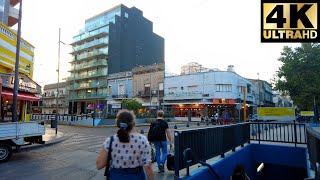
<point x="126" y="15"/>
<point x="121" y="89"/>
<point x="109" y="90"/>
<point x="147" y="88"/>
<point x="224" y="87"/>
<point x="160" y="86"/>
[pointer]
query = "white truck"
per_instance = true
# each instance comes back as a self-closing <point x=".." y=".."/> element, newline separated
<point x="13" y="135"/>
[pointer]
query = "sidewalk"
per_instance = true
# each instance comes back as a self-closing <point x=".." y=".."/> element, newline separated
<point x="50" y="137"/>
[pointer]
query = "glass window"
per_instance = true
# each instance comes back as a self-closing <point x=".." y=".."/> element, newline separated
<point x="126" y="15"/>
<point x="121" y="89"/>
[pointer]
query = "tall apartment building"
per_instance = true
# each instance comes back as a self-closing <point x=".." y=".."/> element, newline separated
<point x="113" y="41"/>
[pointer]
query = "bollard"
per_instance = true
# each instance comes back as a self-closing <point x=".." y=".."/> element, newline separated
<point x="175" y="127"/>
<point x="142" y="131"/>
<point x="188" y="125"/>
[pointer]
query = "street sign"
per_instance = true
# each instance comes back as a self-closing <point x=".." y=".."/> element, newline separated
<point x="238" y="106"/>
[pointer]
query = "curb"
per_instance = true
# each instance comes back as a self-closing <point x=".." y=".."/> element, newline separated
<point x="47" y="144"/>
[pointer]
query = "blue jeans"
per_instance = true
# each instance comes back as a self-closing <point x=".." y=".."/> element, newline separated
<point x="126" y="174"/>
<point x="163" y="146"/>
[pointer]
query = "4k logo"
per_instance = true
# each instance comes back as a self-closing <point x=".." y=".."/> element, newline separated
<point x="289" y="21"/>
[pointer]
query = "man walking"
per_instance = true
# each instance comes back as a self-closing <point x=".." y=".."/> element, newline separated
<point x="160" y="141"/>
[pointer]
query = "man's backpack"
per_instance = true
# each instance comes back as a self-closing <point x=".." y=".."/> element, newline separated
<point x="154" y="133"/>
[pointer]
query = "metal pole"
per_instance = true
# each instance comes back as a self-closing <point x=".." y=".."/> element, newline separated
<point x="259" y="90"/>
<point x="74" y="81"/>
<point x="16" y="70"/>
<point x="58" y="70"/>
<point x="150" y="90"/>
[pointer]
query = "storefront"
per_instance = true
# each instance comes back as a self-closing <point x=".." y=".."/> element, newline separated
<point x="26" y="94"/>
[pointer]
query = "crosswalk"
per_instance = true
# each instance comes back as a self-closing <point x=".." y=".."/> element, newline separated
<point x="91" y="143"/>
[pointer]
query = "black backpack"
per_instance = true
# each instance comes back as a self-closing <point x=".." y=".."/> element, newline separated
<point x="154" y="133"/>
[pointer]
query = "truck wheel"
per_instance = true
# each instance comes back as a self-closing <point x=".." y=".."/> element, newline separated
<point x="5" y="152"/>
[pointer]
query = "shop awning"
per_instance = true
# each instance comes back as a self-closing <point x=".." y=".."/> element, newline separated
<point x="21" y="95"/>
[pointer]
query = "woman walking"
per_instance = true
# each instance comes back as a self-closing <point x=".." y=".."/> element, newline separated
<point x="130" y="151"/>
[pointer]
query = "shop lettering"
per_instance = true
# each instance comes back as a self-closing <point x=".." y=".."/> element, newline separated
<point x="26" y="86"/>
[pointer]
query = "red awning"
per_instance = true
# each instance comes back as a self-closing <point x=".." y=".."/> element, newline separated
<point x="21" y="95"/>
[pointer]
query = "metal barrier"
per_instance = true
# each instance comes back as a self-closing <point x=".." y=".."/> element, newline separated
<point x="208" y="142"/>
<point x="313" y="138"/>
<point x="279" y="132"/>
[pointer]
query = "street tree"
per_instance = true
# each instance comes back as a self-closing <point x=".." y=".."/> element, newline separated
<point x="131" y="104"/>
<point x="299" y="74"/>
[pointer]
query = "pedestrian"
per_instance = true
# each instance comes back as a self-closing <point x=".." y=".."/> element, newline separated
<point x="130" y="151"/>
<point x="160" y="141"/>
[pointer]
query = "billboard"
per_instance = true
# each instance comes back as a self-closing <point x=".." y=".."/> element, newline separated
<point x="276" y="113"/>
<point x="306" y="113"/>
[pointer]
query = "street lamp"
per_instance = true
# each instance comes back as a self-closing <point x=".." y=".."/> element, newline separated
<point x="57" y="97"/>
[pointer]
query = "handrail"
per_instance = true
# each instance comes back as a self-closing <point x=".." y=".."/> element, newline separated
<point x="186" y="153"/>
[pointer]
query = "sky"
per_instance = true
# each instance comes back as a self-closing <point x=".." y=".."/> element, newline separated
<point x="213" y="33"/>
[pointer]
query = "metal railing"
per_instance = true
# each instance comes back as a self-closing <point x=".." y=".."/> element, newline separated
<point x="208" y="142"/>
<point x="61" y="117"/>
<point x="313" y="138"/>
<point x="283" y="132"/>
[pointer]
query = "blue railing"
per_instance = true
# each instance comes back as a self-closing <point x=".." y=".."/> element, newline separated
<point x="208" y="142"/>
<point x="283" y="132"/>
<point x="313" y="138"/>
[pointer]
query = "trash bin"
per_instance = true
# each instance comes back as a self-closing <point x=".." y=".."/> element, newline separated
<point x="53" y="122"/>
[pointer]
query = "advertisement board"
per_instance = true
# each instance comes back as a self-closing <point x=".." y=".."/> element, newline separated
<point x="276" y="113"/>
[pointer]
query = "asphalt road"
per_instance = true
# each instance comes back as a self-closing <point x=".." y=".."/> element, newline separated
<point x="73" y="158"/>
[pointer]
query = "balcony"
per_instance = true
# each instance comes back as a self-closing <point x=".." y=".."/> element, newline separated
<point x="181" y="96"/>
<point x="90" y="96"/>
<point x="93" y="44"/>
<point x="13" y="16"/>
<point x="90" y="85"/>
<point x="88" y="76"/>
<point x="89" y="36"/>
<point x="91" y="55"/>
<point x="120" y="96"/>
<point x="92" y="64"/>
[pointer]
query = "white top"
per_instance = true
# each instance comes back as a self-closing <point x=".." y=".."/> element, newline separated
<point x="129" y="155"/>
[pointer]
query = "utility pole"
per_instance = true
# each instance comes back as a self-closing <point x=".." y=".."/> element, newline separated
<point x="16" y="69"/>
<point x="244" y="104"/>
<point x="57" y="98"/>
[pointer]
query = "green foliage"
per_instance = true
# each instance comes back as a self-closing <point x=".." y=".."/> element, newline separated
<point x="299" y="75"/>
<point x="131" y="104"/>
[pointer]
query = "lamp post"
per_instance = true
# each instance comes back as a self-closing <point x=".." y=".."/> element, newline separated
<point x="57" y="97"/>
<point x="16" y="69"/>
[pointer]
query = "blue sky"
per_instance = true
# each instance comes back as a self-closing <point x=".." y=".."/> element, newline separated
<point x="214" y="34"/>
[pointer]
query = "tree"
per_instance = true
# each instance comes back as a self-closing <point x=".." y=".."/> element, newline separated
<point x="299" y="75"/>
<point x="131" y="104"/>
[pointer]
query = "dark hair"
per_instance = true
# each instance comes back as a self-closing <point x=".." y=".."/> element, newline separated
<point x="125" y="121"/>
<point x="160" y="113"/>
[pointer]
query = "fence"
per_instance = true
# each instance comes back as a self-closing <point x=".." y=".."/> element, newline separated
<point x="313" y="138"/>
<point x="207" y="143"/>
<point x="61" y="117"/>
<point x="279" y="132"/>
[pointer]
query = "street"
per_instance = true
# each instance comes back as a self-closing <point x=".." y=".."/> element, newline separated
<point x="73" y="158"/>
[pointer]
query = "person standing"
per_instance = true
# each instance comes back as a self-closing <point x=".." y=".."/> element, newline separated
<point x="130" y="151"/>
<point x="160" y="142"/>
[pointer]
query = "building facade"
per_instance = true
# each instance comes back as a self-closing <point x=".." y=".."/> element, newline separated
<point x="113" y="41"/>
<point x="148" y="85"/>
<point x="49" y="99"/>
<point x="263" y="93"/>
<point x="9" y="15"/>
<point x="207" y="93"/>
<point x="119" y="88"/>
<point x="27" y="88"/>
